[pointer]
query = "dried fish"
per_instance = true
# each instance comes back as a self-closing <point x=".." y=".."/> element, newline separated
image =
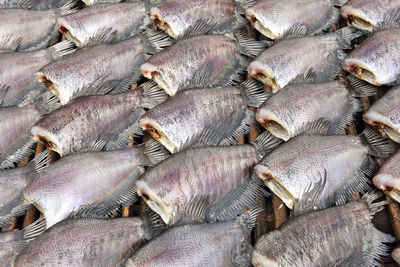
<point x="101" y="68"/>
<point x="384" y="114"/>
<point x="89" y="122"/>
<point x="117" y="21"/>
<point x="377" y="59"/>
<point x="396" y="255"/>
<point x="93" y="184"/>
<point x="339" y="164"/>
<point x="93" y="2"/>
<point x="203" y="116"/>
<point x="17" y="72"/>
<point x="201" y="61"/>
<point x="10" y="244"/>
<point x="292" y="60"/>
<point x="342" y="236"/>
<point x="299" y="108"/>
<point x="370" y="14"/>
<point x="18" y="3"/>
<point x="205" y="184"/>
<point x="288" y="18"/>
<point x="216" y="244"/>
<point x="388" y="177"/>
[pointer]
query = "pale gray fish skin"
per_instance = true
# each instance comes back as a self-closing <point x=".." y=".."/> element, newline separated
<point x="84" y="242"/>
<point x="105" y="62"/>
<point x="83" y="180"/>
<point x="303" y="161"/>
<point x="10" y="244"/>
<point x="208" y="173"/>
<point x="125" y="19"/>
<point x="184" y="117"/>
<point x="174" y="17"/>
<point x="276" y="19"/>
<point x="93" y="2"/>
<point x="384" y="114"/>
<point x="377" y="59"/>
<point x="396" y="255"/>
<point x="387" y="178"/>
<point x="367" y="14"/>
<point x="177" y="65"/>
<point x="76" y="125"/>
<point x="287" y="113"/>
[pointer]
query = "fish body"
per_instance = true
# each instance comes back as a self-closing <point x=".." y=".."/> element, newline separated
<point x="387" y="178"/>
<point x="376" y="60"/>
<point x="93" y="2"/>
<point x="10" y="245"/>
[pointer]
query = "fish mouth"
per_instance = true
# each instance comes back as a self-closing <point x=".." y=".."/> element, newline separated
<point x="265" y="79"/>
<point x="163" y="25"/>
<point x="259" y="260"/>
<point x="158" y="135"/>
<point x="46" y="138"/>
<point x="260" y="27"/>
<point x="389" y="190"/>
<point x="360" y="22"/>
<point x="275" y="128"/>
<point x="52" y="87"/>
<point x="154" y="202"/>
<point x="64" y="29"/>
<point x="363" y="73"/>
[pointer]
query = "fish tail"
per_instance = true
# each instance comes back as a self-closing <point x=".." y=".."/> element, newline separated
<point x="346" y="35"/>
<point x="247" y="45"/>
<point x="47" y="103"/>
<point x="378" y="145"/>
<point x="152" y="223"/>
<point x="68" y="8"/>
<point x="61" y="49"/>
<point x="155" y="41"/>
<point x="359" y="88"/>
<point x="152" y="95"/>
<point x="248" y="219"/>
<point x="266" y="142"/>
<point x="154" y="152"/>
<point x="254" y="92"/>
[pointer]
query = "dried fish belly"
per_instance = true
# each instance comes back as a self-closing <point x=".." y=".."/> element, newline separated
<point x="201" y="61"/>
<point x="114" y="21"/>
<point x="388" y="177"/>
<point x="343" y="236"/>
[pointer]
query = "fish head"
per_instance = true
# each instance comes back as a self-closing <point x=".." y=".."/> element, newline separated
<point x="260" y="23"/>
<point x="156" y="131"/>
<point x="53" y="87"/>
<point x="383" y="124"/>
<point x="162" y="78"/>
<point x="70" y="32"/>
<point x="273" y="123"/>
<point x="262" y="72"/>
<point x="360" y="70"/>
<point x="48" y="139"/>
<point x="357" y="18"/>
<point x="389" y="184"/>
<point x="163" y="23"/>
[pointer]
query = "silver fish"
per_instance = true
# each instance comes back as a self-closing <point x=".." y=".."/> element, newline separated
<point x="29" y="30"/>
<point x="88" y="242"/>
<point x="388" y="177"/>
<point x="384" y="114"/>
<point x="377" y="59"/>
<point x="206" y="116"/>
<point x="92" y="121"/>
<point x="396" y="255"/>
<point x="101" y="68"/>
<point x="119" y="21"/>
<point x="343" y="236"/>
<point x="11" y="243"/>
<point x="291" y="59"/>
<point x="208" y="183"/>
<point x="216" y="244"/>
<point x="369" y="14"/>
<point x="340" y="164"/>
<point x="297" y="108"/>
<point x="88" y="184"/>
<point x="288" y="18"/>
<point x="18" y="69"/>
<point x="201" y="61"/>
<point x="179" y="18"/>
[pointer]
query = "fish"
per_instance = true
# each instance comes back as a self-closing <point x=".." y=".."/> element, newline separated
<point x="88" y="242"/>
<point x="338" y="164"/>
<point x="376" y="60"/>
<point x="287" y="18"/>
<point x="17" y="72"/>
<point x="89" y="122"/>
<point x="18" y="3"/>
<point x="383" y="114"/>
<point x="89" y="184"/>
<point x="179" y="18"/>
<point x="312" y="58"/>
<point x="28" y="29"/>
<point x="387" y="178"/>
<point x="297" y="108"/>
<point x="217" y="244"/>
<point x="117" y="21"/>
<point x="368" y="15"/>
<point x="16" y="122"/>
<point x="343" y="236"/>
<point x="101" y="68"/>
<point x="396" y="255"/>
<point x="201" y="61"/>
<point x="10" y="244"/>
<point x="205" y="183"/>
<point x="203" y="116"/>
<point x="12" y="183"/>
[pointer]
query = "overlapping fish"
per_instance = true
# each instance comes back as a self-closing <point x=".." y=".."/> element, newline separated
<point x="388" y="177"/>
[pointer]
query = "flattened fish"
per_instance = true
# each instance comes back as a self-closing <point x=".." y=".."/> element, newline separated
<point x="101" y="68"/>
<point x="388" y="177"/>
<point x="339" y="164"/>
<point x="201" y="61"/>
<point x="384" y="114"/>
<point x="116" y="21"/>
<point x="377" y="59"/>
<point x="10" y="244"/>
<point x="342" y="236"/>
<point x="216" y="244"/>
<point x="291" y="59"/>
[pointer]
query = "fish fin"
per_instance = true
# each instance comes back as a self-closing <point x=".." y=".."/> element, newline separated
<point x="155" y="152"/>
<point x="318" y="127"/>
<point x="346" y="35"/>
<point x="103" y="35"/>
<point x="20" y="209"/>
<point x="30" y="94"/>
<point x="310" y="198"/>
<point x="98" y="87"/>
<point x="3" y="92"/>
<point x="43" y="42"/>
<point x="331" y="17"/>
<point x="10" y="43"/>
<point x="155" y="41"/>
<point x="195" y="211"/>
<point x="39" y="163"/>
<point x="307" y="77"/>
<point x="46" y="103"/>
<point x="201" y="78"/>
<point x="245" y="196"/>
<point x="200" y="27"/>
<point x="68" y="8"/>
<point x="232" y="75"/>
<point x="254" y="92"/>
<point x="244" y="4"/>
<point x="230" y="26"/>
<point x="13" y="208"/>
<point x="378" y="146"/>
<point x="17" y="151"/>
<point x="352" y="109"/>
<point x="152" y="94"/>
<point x="243" y="257"/>
<point x="248" y="46"/>
<point x="152" y="223"/>
<point x="95" y="145"/>
<point x="238" y="126"/>
<point x="392" y="20"/>
<point x="26" y="4"/>
<point x="295" y="31"/>
<point x="265" y="143"/>
<point x="35" y="229"/>
<point x="130" y="78"/>
<point x="370" y="197"/>
<point x="359" y="88"/>
<point x="60" y="50"/>
<point x="339" y="3"/>
<point x="249" y="218"/>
